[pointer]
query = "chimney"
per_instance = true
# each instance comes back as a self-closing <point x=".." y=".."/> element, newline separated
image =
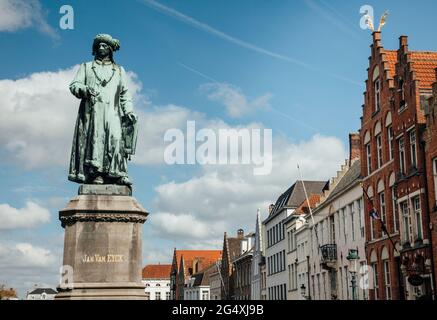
<point x="240" y="234"/>
<point x="403" y="41"/>
<point x="376" y="36"/>
<point x="354" y="147"/>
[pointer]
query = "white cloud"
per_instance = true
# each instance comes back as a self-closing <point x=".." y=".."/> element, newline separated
<point x="38" y="117"/>
<point x="25" y="255"/>
<point x="22" y="265"/>
<point x="184" y="226"/>
<point x="21" y="14"/>
<point x="232" y="97"/>
<point x="225" y="198"/>
<point x="27" y="217"/>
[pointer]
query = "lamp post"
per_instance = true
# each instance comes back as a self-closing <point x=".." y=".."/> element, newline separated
<point x="303" y="291"/>
<point x="352" y="257"/>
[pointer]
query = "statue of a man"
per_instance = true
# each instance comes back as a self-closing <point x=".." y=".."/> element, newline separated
<point x="100" y="145"/>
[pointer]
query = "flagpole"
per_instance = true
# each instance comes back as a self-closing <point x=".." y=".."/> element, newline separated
<point x="380" y="219"/>
<point x="309" y="207"/>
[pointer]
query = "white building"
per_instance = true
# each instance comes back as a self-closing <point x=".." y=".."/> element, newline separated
<point x="338" y="227"/>
<point x="196" y="288"/>
<point x="41" y="294"/>
<point x="297" y="234"/>
<point x="276" y="246"/>
<point x="156" y="278"/>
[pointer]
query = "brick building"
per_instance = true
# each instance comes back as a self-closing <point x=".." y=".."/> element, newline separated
<point x="187" y="263"/>
<point x="233" y="248"/>
<point x="430" y="137"/>
<point x="393" y="169"/>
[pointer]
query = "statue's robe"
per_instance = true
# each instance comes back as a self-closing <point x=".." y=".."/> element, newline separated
<point x="97" y="144"/>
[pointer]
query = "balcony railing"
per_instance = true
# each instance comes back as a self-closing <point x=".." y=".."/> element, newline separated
<point x="329" y="253"/>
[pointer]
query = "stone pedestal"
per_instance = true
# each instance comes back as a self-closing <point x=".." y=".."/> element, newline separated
<point x="102" y="246"/>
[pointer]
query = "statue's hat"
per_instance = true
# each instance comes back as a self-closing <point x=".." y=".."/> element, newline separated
<point x="108" y="39"/>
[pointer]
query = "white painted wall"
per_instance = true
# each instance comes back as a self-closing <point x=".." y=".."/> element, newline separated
<point x="157" y="286"/>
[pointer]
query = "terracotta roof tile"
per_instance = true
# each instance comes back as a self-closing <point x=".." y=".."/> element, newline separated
<point x="205" y="258"/>
<point x="392" y="59"/>
<point x="313" y="199"/>
<point x="424" y="63"/>
<point x="157" y="271"/>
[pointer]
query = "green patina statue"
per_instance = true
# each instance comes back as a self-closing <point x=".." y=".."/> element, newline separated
<point x="106" y="127"/>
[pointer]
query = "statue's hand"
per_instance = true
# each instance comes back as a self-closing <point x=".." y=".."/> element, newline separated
<point x="132" y="117"/>
<point x="91" y="92"/>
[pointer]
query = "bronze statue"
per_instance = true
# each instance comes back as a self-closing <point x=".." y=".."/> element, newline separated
<point x="106" y="127"/>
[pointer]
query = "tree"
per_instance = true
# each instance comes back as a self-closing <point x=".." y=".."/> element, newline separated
<point x="7" y="293"/>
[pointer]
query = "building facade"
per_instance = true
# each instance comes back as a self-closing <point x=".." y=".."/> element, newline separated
<point x="243" y="275"/>
<point x="156" y="278"/>
<point x="185" y="264"/>
<point x="276" y="243"/>
<point x="41" y="294"/>
<point x="394" y="171"/>
<point x="430" y="138"/>
<point x="233" y="248"/>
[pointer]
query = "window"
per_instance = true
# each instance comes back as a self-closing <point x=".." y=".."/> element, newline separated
<point x="377" y="88"/>
<point x="382" y="208"/>
<point x="390" y="142"/>
<point x="167" y="295"/>
<point x="375" y="280"/>
<point x="369" y="158"/>
<point x="343" y="212"/>
<point x="352" y="211"/>
<point x="268" y="238"/>
<point x="387" y="281"/>
<point x="361" y="215"/>
<point x="332" y="229"/>
<point x="395" y="211"/>
<point x="402" y="155"/>
<point x="418" y="217"/>
<point x="347" y="282"/>
<point x="205" y="295"/>
<point x="402" y="94"/>
<point x="379" y="150"/>
<point x="147" y="296"/>
<point x="157" y="295"/>
<point x="372" y="226"/>
<point x="413" y="149"/>
<point x="295" y="276"/>
<point x="406" y="220"/>
<point x="341" y="283"/>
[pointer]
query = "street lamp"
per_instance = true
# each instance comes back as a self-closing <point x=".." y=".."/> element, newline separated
<point x="303" y="291"/>
<point x="352" y="257"/>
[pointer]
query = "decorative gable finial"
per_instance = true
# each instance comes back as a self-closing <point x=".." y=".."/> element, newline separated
<point x="383" y="20"/>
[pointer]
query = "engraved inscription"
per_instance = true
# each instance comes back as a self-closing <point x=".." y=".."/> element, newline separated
<point x="98" y="258"/>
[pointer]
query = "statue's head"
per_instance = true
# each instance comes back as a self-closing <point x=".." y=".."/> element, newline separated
<point x="104" y="45"/>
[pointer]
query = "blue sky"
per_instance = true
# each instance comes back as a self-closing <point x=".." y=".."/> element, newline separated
<point x="297" y="67"/>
